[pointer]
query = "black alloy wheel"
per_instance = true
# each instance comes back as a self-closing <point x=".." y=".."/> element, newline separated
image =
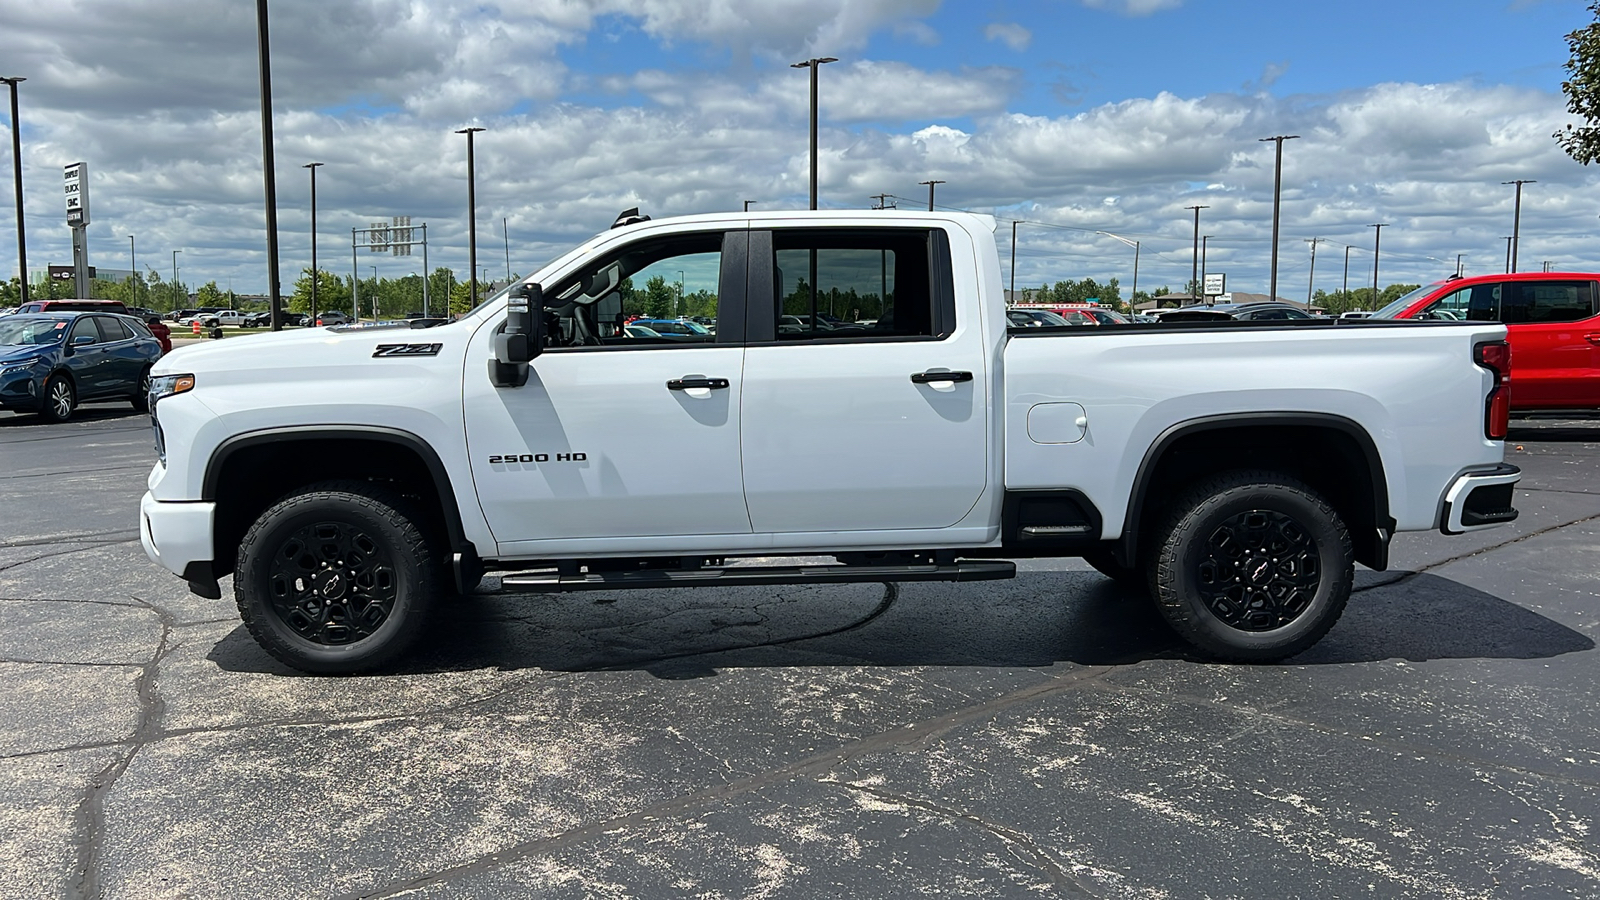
<point x="1251" y="566"/>
<point x="337" y="578"/>
<point x="1259" y="570"/>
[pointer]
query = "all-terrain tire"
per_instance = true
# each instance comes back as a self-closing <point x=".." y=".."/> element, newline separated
<point x="338" y="578"/>
<point x="1251" y="566"/>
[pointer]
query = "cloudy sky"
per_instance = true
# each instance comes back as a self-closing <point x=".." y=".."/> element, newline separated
<point x="1074" y="116"/>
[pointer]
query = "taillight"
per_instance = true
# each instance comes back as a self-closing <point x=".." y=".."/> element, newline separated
<point x="1496" y="357"/>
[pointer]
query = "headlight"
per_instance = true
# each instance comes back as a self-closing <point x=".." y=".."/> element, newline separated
<point x="20" y="367"/>
<point x="165" y="386"/>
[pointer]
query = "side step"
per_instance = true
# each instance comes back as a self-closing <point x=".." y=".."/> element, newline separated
<point x="552" y="582"/>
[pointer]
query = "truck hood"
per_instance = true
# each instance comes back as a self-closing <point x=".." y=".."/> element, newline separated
<point x="310" y="353"/>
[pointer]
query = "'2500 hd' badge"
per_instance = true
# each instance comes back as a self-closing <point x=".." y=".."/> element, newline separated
<point x="406" y="350"/>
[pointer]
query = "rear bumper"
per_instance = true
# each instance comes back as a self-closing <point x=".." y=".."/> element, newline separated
<point x="1478" y="500"/>
<point x="177" y="536"/>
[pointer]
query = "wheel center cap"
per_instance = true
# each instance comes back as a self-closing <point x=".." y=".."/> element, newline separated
<point x="332" y="585"/>
<point x="1261" y="572"/>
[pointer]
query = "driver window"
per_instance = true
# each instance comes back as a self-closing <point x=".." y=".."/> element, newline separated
<point x="654" y="293"/>
<point x="84" y="327"/>
<point x="1452" y="307"/>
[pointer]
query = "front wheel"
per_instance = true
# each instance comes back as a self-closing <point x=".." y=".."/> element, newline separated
<point x="336" y="579"/>
<point x="1252" y="567"/>
<point x="60" y="399"/>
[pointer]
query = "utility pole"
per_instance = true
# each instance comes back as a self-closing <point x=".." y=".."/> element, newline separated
<point x="1346" y="289"/>
<point x="16" y="178"/>
<point x="1516" y="222"/>
<point x="472" y="215"/>
<point x="1508" y="254"/>
<point x="813" y="64"/>
<point x="883" y="201"/>
<point x="1204" y="239"/>
<point x="1458" y="264"/>
<point x="1377" y="238"/>
<point x="1277" y="194"/>
<point x="269" y="166"/>
<point x="313" y="312"/>
<point x="505" y="230"/>
<point x="930" y="185"/>
<point x="1194" y="262"/>
<point x="176" y="303"/>
<point x="1313" y="279"/>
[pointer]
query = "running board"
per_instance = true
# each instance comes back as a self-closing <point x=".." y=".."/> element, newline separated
<point x="552" y="582"/>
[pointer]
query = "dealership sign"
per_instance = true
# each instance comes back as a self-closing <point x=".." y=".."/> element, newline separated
<point x="77" y="191"/>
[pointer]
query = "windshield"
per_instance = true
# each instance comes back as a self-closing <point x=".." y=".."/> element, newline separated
<point x="1394" y="309"/>
<point x="14" y="332"/>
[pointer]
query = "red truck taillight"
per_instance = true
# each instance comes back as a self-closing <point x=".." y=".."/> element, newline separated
<point x="1496" y="357"/>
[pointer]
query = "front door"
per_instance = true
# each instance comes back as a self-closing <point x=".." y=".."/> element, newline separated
<point x="620" y="432"/>
<point x="847" y="424"/>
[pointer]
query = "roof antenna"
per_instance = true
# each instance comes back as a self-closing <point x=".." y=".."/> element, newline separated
<point x="629" y="217"/>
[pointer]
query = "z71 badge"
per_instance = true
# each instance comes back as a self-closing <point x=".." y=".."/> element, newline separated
<point x="406" y="350"/>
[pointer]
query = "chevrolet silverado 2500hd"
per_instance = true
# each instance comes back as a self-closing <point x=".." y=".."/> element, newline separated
<point x="861" y="397"/>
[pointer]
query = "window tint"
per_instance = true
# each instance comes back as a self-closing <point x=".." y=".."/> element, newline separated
<point x="1549" y="301"/>
<point x="111" y="329"/>
<point x="860" y="284"/>
<point x="662" y="279"/>
<point x="84" y="327"/>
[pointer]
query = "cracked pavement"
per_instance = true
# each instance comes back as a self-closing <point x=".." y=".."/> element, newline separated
<point x="1036" y="737"/>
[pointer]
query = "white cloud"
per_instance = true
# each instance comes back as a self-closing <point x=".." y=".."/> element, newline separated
<point x="1009" y="33"/>
<point x="1134" y="7"/>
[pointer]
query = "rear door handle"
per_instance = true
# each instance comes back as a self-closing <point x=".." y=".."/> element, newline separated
<point x="684" y="384"/>
<point x="931" y="377"/>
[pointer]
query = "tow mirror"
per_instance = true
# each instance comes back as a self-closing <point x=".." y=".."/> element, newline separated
<point x="523" y="337"/>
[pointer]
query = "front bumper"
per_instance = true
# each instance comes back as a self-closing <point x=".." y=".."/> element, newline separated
<point x="1479" y="500"/>
<point x="177" y="536"/>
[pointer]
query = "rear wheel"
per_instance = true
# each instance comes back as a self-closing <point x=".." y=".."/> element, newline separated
<point x="336" y="579"/>
<point x="60" y="399"/>
<point x="1252" y="567"/>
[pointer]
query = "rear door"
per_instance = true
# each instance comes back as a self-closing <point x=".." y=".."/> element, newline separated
<point x="1555" y="343"/>
<point x="847" y="424"/>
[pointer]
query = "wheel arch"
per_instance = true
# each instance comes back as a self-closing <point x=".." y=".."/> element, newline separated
<point x="1333" y="454"/>
<point x="232" y="481"/>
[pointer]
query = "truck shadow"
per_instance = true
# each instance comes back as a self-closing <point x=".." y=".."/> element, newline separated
<point x="1561" y="428"/>
<point x="1038" y="619"/>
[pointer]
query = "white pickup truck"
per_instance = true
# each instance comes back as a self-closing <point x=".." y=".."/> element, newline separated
<point x="351" y="478"/>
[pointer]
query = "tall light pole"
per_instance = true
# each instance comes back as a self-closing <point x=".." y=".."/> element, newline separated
<point x="747" y="205"/>
<point x="1277" y="196"/>
<point x="1516" y="222"/>
<point x="268" y="166"/>
<point x="1312" y="280"/>
<point x="16" y="181"/>
<point x="1132" y="295"/>
<point x="1377" y="238"/>
<point x="930" y="185"/>
<point x="1458" y="264"/>
<point x="472" y="214"/>
<point x="1346" y="288"/>
<point x="505" y="231"/>
<point x="1508" y="254"/>
<point x="680" y="293"/>
<point x="1014" y="224"/>
<point x="176" y="304"/>
<point x="1194" y="262"/>
<point x="1204" y="240"/>
<point x="814" y="64"/>
<point x="133" y="268"/>
<point x="314" y="279"/>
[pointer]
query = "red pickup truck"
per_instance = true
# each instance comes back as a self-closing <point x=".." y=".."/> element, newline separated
<point x="1553" y="327"/>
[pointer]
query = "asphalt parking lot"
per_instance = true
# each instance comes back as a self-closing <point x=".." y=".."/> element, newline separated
<point x="1036" y="737"/>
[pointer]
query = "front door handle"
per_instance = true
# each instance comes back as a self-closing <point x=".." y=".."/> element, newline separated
<point x="1592" y="338"/>
<point x="931" y="377"/>
<point x="685" y="384"/>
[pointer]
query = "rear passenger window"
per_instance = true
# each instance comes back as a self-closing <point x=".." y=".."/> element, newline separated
<point x="84" y="327"/>
<point x="111" y="330"/>
<point x="1549" y="301"/>
<point x="863" y="284"/>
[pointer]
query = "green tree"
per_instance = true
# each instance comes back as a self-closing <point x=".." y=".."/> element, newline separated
<point x="210" y="295"/>
<point x="332" y="293"/>
<point x="659" y="298"/>
<point x="1582" y="142"/>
